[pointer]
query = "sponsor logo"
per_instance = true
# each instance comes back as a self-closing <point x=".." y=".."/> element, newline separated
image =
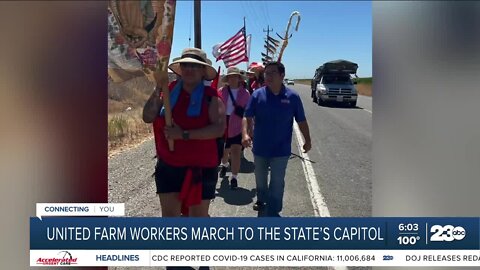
<point x="62" y="258"/>
<point x="387" y="257"/>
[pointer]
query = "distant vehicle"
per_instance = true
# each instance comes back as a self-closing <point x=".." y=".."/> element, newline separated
<point x="289" y="81"/>
<point x="332" y="82"/>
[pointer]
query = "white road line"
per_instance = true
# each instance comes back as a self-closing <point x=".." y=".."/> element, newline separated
<point x="320" y="208"/>
<point x="367" y="110"/>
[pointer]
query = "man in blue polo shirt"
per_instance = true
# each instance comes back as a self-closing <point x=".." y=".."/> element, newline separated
<point x="269" y="119"/>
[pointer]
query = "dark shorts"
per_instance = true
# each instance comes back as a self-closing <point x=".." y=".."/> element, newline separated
<point x="234" y="140"/>
<point x="170" y="179"/>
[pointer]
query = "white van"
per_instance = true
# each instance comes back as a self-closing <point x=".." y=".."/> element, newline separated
<point x="333" y="83"/>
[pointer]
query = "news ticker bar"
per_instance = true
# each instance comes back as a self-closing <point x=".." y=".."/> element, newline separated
<point x="133" y="233"/>
<point x="257" y="258"/>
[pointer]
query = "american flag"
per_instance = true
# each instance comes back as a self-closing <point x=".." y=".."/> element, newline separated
<point x="234" y="50"/>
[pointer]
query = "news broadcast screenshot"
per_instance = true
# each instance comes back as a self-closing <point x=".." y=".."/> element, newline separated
<point x="215" y="135"/>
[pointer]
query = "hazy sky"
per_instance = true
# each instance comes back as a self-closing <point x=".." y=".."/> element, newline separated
<point x="327" y="31"/>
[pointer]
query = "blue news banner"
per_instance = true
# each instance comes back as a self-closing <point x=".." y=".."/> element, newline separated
<point x="134" y="233"/>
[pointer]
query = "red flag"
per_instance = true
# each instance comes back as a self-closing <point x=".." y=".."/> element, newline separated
<point x="214" y="84"/>
<point x="234" y="50"/>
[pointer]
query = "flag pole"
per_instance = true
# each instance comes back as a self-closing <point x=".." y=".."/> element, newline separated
<point x="246" y="45"/>
<point x="197" y="10"/>
<point x="164" y="40"/>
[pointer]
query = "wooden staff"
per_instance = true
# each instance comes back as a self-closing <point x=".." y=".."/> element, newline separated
<point x="285" y="39"/>
<point x="164" y="46"/>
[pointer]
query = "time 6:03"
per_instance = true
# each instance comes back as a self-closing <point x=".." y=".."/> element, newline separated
<point x="408" y="227"/>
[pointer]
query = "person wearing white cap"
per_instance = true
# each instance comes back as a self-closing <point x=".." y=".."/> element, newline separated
<point x="186" y="178"/>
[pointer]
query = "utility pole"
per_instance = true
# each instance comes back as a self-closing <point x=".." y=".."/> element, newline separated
<point x="198" y="23"/>
<point x="268" y="35"/>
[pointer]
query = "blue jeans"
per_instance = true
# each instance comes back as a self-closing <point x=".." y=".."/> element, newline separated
<point x="271" y="194"/>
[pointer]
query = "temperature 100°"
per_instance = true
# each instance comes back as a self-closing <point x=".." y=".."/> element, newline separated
<point x="408" y="240"/>
<point x="408" y="227"/>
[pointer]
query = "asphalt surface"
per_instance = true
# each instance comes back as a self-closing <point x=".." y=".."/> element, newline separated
<point x="342" y="152"/>
<point x="341" y="158"/>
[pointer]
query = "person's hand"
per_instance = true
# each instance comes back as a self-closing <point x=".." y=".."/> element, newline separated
<point x="174" y="132"/>
<point x="307" y="146"/>
<point x="246" y="141"/>
<point x="157" y="92"/>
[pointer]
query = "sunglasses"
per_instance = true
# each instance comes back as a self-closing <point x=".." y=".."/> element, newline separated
<point x="190" y="65"/>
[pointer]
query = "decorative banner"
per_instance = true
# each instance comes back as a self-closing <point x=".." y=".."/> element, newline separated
<point x="271" y="45"/>
<point x="134" y="27"/>
<point x="271" y="49"/>
<point x="273" y="41"/>
<point x="266" y="59"/>
<point x="123" y="63"/>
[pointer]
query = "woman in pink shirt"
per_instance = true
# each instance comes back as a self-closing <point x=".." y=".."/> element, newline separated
<point x="235" y="97"/>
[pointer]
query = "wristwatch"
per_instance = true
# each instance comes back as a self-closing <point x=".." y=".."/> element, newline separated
<point x="186" y="135"/>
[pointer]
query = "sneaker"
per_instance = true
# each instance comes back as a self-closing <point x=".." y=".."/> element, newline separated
<point x="223" y="171"/>
<point x="259" y="206"/>
<point x="233" y="183"/>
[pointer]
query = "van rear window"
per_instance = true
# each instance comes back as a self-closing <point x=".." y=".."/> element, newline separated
<point x="336" y="80"/>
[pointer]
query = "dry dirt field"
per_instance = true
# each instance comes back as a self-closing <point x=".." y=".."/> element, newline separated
<point x="125" y="104"/>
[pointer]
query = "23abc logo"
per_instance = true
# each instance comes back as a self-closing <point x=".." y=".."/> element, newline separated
<point x="447" y="233"/>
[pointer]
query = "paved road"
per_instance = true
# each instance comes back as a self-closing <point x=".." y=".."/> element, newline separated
<point x="340" y="158"/>
<point x="342" y="141"/>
